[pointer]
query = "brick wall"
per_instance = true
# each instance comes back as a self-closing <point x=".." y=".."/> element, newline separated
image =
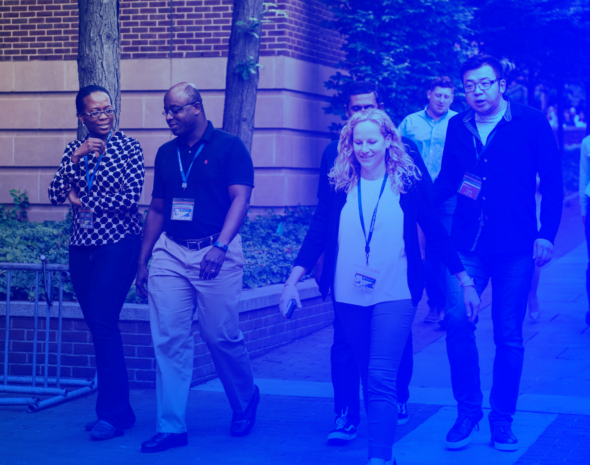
<point x="264" y="329"/>
<point x="48" y="30"/>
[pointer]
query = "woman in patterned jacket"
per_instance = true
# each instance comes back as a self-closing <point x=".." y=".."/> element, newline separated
<point x="102" y="176"/>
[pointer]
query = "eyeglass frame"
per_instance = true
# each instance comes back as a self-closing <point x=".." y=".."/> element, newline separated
<point x="112" y="110"/>
<point x="480" y="84"/>
<point x="165" y="112"/>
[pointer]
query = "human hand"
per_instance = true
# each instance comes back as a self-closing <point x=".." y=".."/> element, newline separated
<point x="74" y="199"/>
<point x="289" y="292"/>
<point x="472" y="302"/>
<point x="211" y="263"/>
<point x="90" y="145"/>
<point x="543" y="252"/>
<point x="141" y="281"/>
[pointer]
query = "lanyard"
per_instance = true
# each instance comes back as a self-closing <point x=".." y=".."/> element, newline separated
<point x="372" y="227"/>
<point x="90" y="179"/>
<point x="185" y="176"/>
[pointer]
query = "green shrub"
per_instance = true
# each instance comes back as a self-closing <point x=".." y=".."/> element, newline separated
<point x="269" y="254"/>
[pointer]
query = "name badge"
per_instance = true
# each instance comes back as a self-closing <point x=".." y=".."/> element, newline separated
<point x="183" y="209"/>
<point x="470" y="186"/>
<point x="86" y="219"/>
<point x="365" y="278"/>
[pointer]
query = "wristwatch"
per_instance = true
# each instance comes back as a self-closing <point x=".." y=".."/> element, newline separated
<point x="221" y="246"/>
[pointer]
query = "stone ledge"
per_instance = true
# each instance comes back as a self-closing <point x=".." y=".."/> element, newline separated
<point x="251" y="299"/>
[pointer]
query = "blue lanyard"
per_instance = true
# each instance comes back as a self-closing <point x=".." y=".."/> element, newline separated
<point x="90" y="179"/>
<point x="185" y="176"/>
<point x="372" y="227"/>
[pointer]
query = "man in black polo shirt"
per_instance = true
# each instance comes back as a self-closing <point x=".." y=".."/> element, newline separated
<point x="493" y="152"/>
<point x="360" y="96"/>
<point x="202" y="184"/>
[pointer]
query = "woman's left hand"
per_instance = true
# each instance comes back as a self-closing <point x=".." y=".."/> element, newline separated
<point x="472" y="302"/>
<point x="74" y="199"/>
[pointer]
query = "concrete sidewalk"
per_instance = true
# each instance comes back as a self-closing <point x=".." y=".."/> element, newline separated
<point x="295" y="414"/>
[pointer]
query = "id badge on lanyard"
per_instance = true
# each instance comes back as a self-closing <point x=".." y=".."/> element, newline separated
<point x="86" y="216"/>
<point x="184" y="209"/>
<point x="470" y="186"/>
<point x="365" y="278"/>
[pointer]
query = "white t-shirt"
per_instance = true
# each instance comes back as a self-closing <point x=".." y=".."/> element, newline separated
<point x="387" y="259"/>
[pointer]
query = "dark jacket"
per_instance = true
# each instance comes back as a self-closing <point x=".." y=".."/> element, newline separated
<point x="503" y="218"/>
<point x="417" y="206"/>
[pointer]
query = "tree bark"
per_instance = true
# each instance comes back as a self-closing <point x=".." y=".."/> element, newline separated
<point x="240" y="93"/>
<point x="99" y="51"/>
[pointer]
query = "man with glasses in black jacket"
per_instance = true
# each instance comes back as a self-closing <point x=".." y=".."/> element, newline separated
<point x="492" y="155"/>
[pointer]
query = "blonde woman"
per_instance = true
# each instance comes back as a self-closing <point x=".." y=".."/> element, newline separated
<point x="367" y="228"/>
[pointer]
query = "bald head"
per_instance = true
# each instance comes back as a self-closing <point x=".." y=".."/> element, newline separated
<point x="186" y="89"/>
<point x="184" y="110"/>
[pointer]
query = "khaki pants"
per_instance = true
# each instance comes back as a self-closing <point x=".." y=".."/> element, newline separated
<point x="175" y="290"/>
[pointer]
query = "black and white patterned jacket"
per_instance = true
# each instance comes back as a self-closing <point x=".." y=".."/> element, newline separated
<point x="115" y="192"/>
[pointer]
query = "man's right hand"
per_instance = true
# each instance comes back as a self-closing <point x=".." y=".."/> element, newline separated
<point x="90" y="145"/>
<point x="141" y="281"/>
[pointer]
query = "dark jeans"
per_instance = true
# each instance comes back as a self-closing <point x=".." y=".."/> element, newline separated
<point x="435" y="271"/>
<point x="102" y="276"/>
<point x="346" y="378"/>
<point x="378" y="335"/>
<point x="511" y="280"/>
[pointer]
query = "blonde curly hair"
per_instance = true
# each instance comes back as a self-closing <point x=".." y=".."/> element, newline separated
<point x="401" y="169"/>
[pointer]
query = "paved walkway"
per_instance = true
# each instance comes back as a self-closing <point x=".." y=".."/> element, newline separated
<point x="295" y="414"/>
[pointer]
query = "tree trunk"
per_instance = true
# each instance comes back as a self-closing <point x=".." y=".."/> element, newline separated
<point x="99" y="51"/>
<point x="560" y="119"/>
<point x="240" y="93"/>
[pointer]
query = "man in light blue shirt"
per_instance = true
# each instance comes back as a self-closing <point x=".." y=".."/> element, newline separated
<point x="428" y="129"/>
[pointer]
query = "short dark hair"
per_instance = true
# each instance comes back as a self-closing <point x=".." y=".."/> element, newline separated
<point x="477" y="61"/>
<point x="442" y="81"/>
<point x="363" y="87"/>
<point x="85" y="92"/>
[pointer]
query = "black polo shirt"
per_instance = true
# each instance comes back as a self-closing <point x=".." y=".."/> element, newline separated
<point x="223" y="162"/>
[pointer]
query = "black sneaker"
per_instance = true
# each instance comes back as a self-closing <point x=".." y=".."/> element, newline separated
<point x="402" y="413"/>
<point x="460" y="434"/>
<point x="344" y="432"/>
<point x="503" y="438"/>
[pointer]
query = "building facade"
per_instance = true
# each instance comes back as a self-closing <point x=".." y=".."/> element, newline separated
<point x="38" y="83"/>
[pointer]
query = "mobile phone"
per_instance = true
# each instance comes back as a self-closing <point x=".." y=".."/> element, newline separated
<point x="291" y="308"/>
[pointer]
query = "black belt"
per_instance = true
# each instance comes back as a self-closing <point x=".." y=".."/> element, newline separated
<point x="197" y="244"/>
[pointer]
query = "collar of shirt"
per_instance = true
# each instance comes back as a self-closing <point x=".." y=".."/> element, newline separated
<point x="205" y="138"/>
<point x="430" y="119"/>
<point x="469" y="119"/>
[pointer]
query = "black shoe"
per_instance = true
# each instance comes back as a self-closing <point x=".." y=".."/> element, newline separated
<point x="503" y="438"/>
<point x="460" y="434"/>
<point x="344" y="432"/>
<point x="104" y="430"/>
<point x="242" y="423"/>
<point x="402" y="413"/>
<point x="91" y="424"/>
<point x="164" y="441"/>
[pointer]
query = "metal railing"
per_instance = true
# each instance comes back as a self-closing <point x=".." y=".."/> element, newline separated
<point x="51" y="386"/>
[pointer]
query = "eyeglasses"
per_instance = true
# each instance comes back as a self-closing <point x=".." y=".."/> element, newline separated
<point x="176" y="110"/>
<point x="485" y="85"/>
<point x="97" y="113"/>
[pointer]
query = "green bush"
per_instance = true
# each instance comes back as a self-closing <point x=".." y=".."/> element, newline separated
<point x="271" y="243"/>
